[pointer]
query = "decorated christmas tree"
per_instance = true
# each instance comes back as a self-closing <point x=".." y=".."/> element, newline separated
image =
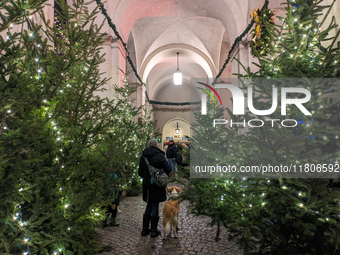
<point x="59" y="142"/>
<point x="293" y="212"/>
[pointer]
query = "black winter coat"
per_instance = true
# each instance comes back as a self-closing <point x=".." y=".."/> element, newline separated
<point x="151" y="192"/>
<point x="171" y="151"/>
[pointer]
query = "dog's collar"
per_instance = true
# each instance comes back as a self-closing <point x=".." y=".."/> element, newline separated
<point x="173" y="196"/>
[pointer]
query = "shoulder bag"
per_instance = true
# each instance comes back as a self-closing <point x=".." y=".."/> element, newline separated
<point x="159" y="177"/>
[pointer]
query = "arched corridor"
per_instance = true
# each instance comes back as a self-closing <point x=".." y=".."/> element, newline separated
<point x="102" y="103"/>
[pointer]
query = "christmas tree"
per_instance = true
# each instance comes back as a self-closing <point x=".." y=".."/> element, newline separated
<point x="56" y="151"/>
<point x="288" y="213"/>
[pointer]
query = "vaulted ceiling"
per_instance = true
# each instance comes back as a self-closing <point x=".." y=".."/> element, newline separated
<point x="202" y="31"/>
<point x="157" y="29"/>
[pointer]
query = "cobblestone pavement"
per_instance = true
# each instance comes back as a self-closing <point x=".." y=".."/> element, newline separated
<point x="195" y="237"/>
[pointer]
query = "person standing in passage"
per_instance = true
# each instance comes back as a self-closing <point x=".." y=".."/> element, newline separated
<point x="152" y="194"/>
<point x="171" y="154"/>
<point x="179" y="157"/>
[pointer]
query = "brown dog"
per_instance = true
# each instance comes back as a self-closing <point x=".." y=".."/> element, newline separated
<point x="170" y="212"/>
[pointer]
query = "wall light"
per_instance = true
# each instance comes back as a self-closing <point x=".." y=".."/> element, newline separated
<point x="177" y="130"/>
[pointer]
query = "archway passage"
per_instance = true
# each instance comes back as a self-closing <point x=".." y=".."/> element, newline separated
<point x="176" y="129"/>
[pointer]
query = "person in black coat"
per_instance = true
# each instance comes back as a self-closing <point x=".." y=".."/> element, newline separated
<point x="171" y="154"/>
<point x="152" y="194"/>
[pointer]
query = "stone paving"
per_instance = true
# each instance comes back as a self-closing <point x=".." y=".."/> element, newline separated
<point x="195" y="236"/>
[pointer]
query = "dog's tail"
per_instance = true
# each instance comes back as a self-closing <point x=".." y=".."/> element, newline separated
<point x="167" y="228"/>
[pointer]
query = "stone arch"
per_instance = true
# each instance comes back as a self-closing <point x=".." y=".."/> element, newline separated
<point x="151" y="60"/>
<point x="171" y="124"/>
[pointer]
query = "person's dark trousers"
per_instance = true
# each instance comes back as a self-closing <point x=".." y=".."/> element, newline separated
<point x="172" y="165"/>
<point x="113" y="212"/>
<point x="152" y="209"/>
<point x="151" y="214"/>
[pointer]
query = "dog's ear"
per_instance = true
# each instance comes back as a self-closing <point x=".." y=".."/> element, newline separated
<point x="178" y="189"/>
<point x="169" y="189"/>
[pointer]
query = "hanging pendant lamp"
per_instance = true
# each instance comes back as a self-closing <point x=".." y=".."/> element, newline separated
<point x="178" y="74"/>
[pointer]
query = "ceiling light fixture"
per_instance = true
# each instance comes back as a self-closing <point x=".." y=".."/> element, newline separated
<point x="178" y="74"/>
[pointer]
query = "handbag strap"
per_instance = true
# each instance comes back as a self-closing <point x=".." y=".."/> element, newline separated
<point x="148" y="165"/>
